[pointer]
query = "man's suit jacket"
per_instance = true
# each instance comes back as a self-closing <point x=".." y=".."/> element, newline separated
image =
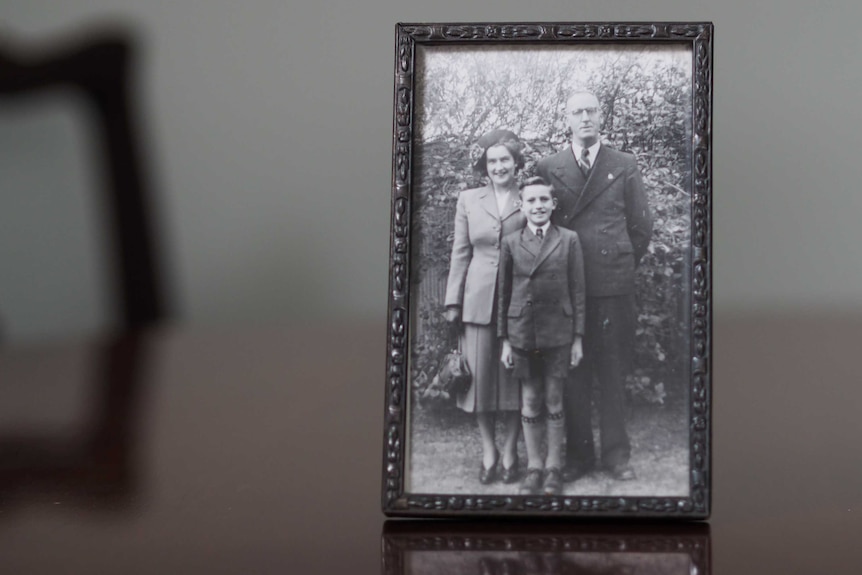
<point x="475" y="258"/>
<point x="541" y="289"/>
<point x="609" y="211"/>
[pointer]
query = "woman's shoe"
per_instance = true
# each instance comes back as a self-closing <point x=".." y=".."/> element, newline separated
<point x="487" y="476"/>
<point x="509" y="474"/>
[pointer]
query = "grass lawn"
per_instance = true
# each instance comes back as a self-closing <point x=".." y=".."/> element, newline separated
<point x="445" y="455"/>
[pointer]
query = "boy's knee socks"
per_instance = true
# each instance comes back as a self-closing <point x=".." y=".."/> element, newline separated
<point x="556" y="432"/>
<point x="534" y="429"/>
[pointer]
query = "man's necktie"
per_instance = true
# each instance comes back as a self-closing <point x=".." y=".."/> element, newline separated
<point x="585" y="161"/>
<point x="540" y="234"/>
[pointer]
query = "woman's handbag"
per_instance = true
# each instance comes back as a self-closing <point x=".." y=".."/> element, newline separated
<point x="454" y="374"/>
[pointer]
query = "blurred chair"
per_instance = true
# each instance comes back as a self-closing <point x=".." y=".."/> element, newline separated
<point x="102" y="467"/>
<point x="98" y="65"/>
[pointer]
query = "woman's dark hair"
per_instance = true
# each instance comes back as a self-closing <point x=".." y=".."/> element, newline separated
<point x="505" y="138"/>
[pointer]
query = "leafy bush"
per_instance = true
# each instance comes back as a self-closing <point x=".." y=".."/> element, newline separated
<point x="647" y="109"/>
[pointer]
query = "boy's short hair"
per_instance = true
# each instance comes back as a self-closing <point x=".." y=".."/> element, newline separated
<point x="536" y="181"/>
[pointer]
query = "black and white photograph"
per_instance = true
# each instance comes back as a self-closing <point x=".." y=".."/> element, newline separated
<point x="550" y="338"/>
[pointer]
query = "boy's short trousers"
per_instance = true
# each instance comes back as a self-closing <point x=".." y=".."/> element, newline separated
<point x="539" y="363"/>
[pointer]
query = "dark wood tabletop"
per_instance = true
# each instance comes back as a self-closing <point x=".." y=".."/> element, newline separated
<point x="259" y="450"/>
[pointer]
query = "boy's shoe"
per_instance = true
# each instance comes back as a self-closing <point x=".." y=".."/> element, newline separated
<point x="532" y="482"/>
<point x="553" y="481"/>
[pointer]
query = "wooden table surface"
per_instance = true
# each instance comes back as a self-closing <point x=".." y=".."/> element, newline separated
<point x="259" y="450"/>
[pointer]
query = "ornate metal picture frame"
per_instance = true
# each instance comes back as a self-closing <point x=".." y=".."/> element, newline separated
<point x="549" y="329"/>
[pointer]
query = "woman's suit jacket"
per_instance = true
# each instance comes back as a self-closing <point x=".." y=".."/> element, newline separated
<point x="479" y="230"/>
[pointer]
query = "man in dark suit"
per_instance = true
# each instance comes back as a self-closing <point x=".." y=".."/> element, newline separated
<point x="601" y="197"/>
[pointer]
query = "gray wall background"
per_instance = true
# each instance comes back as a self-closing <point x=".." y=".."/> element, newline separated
<point x="269" y="126"/>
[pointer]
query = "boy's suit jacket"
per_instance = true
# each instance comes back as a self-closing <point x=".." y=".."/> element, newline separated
<point x="476" y="251"/>
<point x="541" y="289"/>
<point x="609" y="211"/>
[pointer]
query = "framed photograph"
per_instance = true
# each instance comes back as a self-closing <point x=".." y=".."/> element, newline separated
<point x="550" y="307"/>
<point x="414" y="548"/>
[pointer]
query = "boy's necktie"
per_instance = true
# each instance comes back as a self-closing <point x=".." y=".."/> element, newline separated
<point x="540" y="234"/>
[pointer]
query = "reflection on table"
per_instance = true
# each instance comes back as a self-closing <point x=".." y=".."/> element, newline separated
<point x="82" y="451"/>
<point x="423" y="548"/>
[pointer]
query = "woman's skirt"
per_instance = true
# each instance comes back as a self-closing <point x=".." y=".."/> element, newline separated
<point x="492" y="388"/>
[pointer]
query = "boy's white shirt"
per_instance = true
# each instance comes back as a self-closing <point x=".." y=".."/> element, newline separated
<point x="533" y="227"/>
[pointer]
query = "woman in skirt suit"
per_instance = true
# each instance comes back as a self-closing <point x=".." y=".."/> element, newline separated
<point x="483" y="216"/>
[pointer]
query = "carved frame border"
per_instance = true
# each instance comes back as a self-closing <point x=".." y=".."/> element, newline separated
<point x="395" y="502"/>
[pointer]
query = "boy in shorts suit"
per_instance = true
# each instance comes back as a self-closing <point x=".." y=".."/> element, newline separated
<point x="541" y="324"/>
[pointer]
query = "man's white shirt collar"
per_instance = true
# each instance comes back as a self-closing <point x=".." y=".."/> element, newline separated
<point x="594" y="151"/>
